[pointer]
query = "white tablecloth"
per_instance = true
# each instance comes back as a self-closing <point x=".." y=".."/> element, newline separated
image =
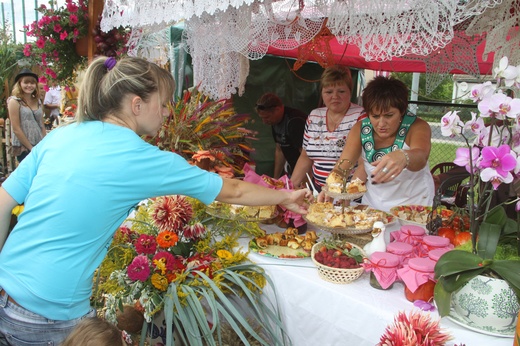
<point x="316" y="312"/>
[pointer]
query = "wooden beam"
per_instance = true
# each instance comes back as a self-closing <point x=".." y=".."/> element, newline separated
<point x="95" y="8"/>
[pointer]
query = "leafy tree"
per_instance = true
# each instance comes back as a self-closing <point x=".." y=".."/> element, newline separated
<point x="442" y="93"/>
<point x="10" y="53"/>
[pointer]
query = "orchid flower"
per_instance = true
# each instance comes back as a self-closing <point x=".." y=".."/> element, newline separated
<point x="480" y="91"/>
<point x="509" y="73"/>
<point x="493" y="176"/>
<point x="500" y="105"/>
<point x="463" y="158"/>
<point x="475" y="125"/>
<point x="501" y="159"/>
<point x="451" y="125"/>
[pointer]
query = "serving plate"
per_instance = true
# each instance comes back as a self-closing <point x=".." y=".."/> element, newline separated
<point x="280" y="252"/>
<point x="387" y="220"/>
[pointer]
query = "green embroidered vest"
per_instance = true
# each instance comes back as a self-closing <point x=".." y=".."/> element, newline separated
<point x="367" y="137"/>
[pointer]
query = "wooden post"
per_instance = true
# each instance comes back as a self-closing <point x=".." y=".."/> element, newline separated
<point x="95" y="8"/>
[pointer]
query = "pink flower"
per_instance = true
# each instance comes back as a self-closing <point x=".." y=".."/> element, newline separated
<point x="500" y="159"/>
<point x="27" y="50"/>
<point x="57" y="28"/>
<point x="43" y="80"/>
<point x="146" y="244"/>
<point x="73" y="19"/>
<point x="40" y="42"/>
<point x="63" y="35"/>
<point x="139" y="269"/>
<point x="72" y="7"/>
<point x="462" y="158"/>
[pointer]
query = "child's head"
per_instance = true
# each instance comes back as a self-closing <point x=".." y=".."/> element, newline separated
<point x="107" y="83"/>
<point x="23" y="78"/>
<point x="383" y="93"/>
<point x="95" y="332"/>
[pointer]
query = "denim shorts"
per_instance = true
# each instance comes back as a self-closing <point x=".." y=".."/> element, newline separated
<point x="21" y="327"/>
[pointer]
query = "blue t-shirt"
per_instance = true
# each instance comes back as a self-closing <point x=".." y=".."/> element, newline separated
<point x="78" y="185"/>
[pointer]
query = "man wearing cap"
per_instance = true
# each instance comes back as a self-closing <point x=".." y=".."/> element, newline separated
<point x="287" y="125"/>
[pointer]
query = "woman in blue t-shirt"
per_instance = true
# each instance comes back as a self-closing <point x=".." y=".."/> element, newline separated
<point x="105" y="169"/>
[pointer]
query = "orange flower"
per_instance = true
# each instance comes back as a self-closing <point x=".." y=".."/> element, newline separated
<point x="167" y="239"/>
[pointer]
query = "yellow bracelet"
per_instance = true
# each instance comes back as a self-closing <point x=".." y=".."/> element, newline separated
<point x="406" y="157"/>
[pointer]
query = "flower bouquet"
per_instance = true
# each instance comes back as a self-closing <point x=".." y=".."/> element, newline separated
<point x="166" y="259"/>
<point x="200" y="129"/>
<point x="492" y="160"/>
<point x="56" y="34"/>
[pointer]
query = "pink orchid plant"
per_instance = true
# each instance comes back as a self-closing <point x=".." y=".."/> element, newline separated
<point x="492" y="159"/>
<point x="56" y="33"/>
<point x="494" y="154"/>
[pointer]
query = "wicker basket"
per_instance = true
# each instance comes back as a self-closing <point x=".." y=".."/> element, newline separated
<point x="337" y="275"/>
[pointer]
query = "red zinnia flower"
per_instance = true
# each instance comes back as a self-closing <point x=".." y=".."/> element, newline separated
<point x="145" y="244"/>
<point x="166" y="258"/>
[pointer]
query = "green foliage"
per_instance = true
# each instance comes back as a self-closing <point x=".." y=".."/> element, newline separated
<point x="442" y="93"/>
<point x="10" y="53"/>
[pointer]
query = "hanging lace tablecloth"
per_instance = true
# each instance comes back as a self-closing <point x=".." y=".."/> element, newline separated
<point x="223" y="35"/>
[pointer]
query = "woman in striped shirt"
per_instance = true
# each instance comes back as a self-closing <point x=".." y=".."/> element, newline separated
<point x="327" y="127"/>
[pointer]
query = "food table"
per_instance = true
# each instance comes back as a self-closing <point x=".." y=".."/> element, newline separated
<point x="315" y="311"/>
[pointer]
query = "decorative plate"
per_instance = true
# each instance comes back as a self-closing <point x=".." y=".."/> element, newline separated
<point x="461" y="321"/>
<point x="281" y="252"/>
<point x="352" y="229"/>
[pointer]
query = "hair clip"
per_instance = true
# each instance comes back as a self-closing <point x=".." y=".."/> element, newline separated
<point x="110" y="63"/>
<point x="126" y="336"/>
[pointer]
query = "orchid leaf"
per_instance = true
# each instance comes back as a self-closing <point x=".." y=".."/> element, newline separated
<point x="509" y="271"/>
<point x="454" y="282"/>
<point x="442" y="298"/>
<point x="489" y="234"/>
<point x="456" y="262"/>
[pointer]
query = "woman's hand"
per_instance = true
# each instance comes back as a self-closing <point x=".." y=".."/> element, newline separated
<point x="389" y="167"/>
<point x="298" y="201"/>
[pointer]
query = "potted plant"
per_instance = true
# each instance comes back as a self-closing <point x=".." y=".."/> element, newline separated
<point x="492" y="159"/>
<point x="56" y="34"/>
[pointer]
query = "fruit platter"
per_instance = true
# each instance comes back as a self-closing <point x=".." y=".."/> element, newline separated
<point x="419" y="215"/>
<point x="337" y="261"/>
<point x="345" y="220"/>
<point x="284" y="245"/>
<point x="241" y="212"/>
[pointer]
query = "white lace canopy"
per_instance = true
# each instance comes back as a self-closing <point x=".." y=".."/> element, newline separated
<point x="223" y="35"/>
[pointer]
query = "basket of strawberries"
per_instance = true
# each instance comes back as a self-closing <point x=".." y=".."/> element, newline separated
<point x="338" y="262"/>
